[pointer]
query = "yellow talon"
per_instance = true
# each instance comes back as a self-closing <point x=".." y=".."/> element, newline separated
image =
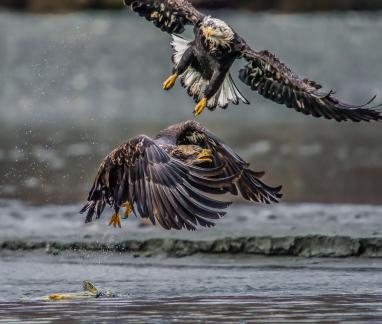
<point x="115" y="221"/>
<point x="128" y="209"/>
<point x="169" y="83"/>
<point x="200" y="107"/>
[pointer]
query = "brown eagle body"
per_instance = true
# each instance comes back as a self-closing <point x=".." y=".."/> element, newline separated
<point x="171" y="179"/>
<point x="203" y="65"/>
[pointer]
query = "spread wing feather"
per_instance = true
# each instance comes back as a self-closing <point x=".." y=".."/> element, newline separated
<point x="170" y="16"/>
<point x="275" y="81"/>
<point x="159" y="187"/>
<point x="248" y="184"/>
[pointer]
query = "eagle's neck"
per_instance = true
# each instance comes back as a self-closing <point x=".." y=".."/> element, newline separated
<point x="218" y="46"/>
<point x="218" y="49"/>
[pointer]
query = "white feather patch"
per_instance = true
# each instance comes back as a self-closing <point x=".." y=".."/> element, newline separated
<point x="180" y="46"/>
<point x="228" y="93"/>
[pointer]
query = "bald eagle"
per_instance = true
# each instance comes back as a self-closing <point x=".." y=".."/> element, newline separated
<point x="203" y="65"/>
<point x="174" y="179"/>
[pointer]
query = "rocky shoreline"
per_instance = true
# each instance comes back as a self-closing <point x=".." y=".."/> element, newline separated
<point x="259" y="5"/>
<point x="294" y="246"/>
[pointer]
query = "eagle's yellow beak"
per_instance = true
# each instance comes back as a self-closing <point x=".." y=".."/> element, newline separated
<point x="204" y="156"/>
<point x="208" y="32"/>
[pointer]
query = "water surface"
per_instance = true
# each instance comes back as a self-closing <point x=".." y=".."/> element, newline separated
<point x="197" y="289"/>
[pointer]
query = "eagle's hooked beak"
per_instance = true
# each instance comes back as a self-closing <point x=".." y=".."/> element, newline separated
<point x="204" y="156"/>
<point x="208" y="32"/>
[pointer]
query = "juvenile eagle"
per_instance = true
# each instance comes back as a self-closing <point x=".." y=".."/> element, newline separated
<point x="171" y="179"/>
<point x="203" y="66"/>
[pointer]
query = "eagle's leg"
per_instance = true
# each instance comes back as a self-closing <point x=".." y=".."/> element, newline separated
<point x="214" y="85"/>
<point x="182" y="66"/>
<point x="169" y="83"/>
<point x="128" y="209"/>
<point x="115" y="220"/>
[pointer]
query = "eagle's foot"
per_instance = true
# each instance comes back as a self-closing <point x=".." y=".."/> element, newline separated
<point x="115" y="221"/>
<point x="128" y="209"/>
<point x="200" y="107"/>
<point x="169" y="83"/>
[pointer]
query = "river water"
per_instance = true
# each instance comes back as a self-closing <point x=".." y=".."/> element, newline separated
<point x="72" y="87"/>
<point x="192" y="290"/>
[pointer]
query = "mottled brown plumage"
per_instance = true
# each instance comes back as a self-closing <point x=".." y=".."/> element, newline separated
<point x="203" y="65"/>
<point x="275" y="81"/>
<point x="170" y="179"/>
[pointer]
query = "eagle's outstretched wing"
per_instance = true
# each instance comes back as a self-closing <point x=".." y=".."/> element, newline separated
<point x="275" y="81"/>
<point x="170" y="16"/>
<point x="158" y="186"/>
<point x="248" y="184"/>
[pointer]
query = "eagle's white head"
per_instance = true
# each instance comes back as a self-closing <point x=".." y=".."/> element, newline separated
<point x="217" y="32"/>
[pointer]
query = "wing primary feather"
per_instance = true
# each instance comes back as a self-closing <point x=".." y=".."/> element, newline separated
<point x="267" y="75"/>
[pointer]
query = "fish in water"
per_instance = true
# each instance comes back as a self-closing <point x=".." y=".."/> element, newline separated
<point x="89" y="292"/>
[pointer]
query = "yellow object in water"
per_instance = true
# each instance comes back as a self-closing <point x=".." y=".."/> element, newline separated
<point x="89" y="292"/>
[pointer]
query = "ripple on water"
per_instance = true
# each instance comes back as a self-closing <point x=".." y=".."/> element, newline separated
<point x="224" y="309"/>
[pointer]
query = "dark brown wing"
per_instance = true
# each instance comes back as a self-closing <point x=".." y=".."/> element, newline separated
<point x="275" y="81"/>
<point x="159" y="187"/>
<point x="170" y="16"/>
<point x="248" y="184"/>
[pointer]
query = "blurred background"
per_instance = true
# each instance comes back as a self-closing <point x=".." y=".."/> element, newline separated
<point x="76" y="82"/>
<point x="275" y="5"/>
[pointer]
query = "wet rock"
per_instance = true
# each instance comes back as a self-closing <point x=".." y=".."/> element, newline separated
<point x="228" y="245"/>
<point x="258" y="245"/>
<point x="127" y="246"/>
<point x="180" y="248"/>
<point x="22" y="245"/>
<point x="282" y="245"/>
<point x="204" y="246"/>
<point x="236" y="246"/>
<point x="303" y="246"/>
<point x="371" y="247"/>
<point x="51" y="250"/>
<point x="153" y="244"/>
<point x="326" y="246"/>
